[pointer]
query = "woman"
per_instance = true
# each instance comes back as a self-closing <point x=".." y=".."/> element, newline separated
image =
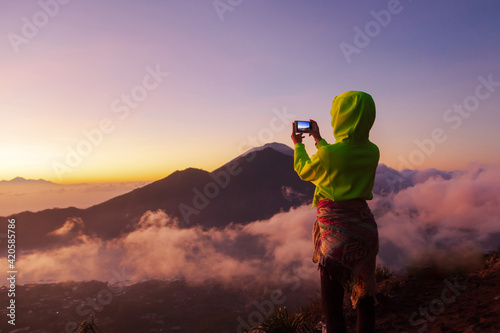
<point x="345" y="233"/>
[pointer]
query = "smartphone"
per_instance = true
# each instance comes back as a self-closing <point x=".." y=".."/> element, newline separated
<point x="302" y="126"/>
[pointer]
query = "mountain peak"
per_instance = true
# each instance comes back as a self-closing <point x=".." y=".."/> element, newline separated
<point x="279" y="147"/>
<point x="18" y="179"/>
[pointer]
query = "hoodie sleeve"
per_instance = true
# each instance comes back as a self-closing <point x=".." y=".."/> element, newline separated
<point x="308" y="169"/>
<point x="321" y="143"/>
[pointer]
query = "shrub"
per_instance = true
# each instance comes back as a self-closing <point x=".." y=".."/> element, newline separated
<point x="382" y="273"/>
<point x="87" y="326"/>
<point x="282" y="322"/>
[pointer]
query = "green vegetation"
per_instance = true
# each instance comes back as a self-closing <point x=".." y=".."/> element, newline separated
<point x="282" y="322"/>
<point x="382" y="273"/>
<point x="87" y="326"/>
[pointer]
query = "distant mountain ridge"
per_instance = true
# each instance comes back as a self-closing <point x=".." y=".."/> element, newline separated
<point x="21" y="180"/>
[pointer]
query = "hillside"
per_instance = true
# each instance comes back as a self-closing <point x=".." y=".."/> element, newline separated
<point x="467" y="302"/>
<point x="472" y="305"/>
<point x="425" y="300"/>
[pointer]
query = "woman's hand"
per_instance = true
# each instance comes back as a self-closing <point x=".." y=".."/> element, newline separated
<point x="315" y="131"/>
<point x="296" y="137"/>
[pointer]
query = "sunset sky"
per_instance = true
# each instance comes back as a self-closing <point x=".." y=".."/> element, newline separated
<point x="95" y="91"/>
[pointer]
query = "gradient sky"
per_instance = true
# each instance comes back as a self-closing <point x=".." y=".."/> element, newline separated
<point x="230" y="74"/>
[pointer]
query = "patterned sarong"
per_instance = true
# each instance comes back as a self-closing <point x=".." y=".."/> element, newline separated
<point x="345" y="240"/>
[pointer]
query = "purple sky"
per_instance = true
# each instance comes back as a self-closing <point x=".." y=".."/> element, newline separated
<point x="85" y="94"/>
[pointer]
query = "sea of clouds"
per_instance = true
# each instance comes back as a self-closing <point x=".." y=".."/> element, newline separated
<point x="448" y="217"/>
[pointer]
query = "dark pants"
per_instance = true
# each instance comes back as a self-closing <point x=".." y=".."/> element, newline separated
<point x="332" y="297"/>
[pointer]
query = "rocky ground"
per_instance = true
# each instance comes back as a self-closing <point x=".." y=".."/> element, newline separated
<point x="428" y="300"/>
<point x="467" y="302"/>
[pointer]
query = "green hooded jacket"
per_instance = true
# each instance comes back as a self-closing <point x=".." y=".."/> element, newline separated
<point x="346" y="169"/>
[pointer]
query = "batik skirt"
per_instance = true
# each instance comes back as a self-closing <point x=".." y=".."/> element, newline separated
<point x="345" y="240"/>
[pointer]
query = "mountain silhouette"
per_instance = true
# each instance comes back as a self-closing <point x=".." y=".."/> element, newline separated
<point x="254" y="186"/>
<point x="21" y="180"/>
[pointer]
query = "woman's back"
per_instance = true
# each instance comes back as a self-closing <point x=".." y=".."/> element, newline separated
<point x="346" y="169"/>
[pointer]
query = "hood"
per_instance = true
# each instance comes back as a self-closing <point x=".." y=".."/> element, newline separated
<point x="353" y="114"/>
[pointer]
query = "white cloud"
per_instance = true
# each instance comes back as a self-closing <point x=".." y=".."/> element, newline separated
<point x="68" y="226"/>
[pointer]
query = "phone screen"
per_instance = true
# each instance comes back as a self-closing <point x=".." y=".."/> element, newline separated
<point x="303" y="126"/>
